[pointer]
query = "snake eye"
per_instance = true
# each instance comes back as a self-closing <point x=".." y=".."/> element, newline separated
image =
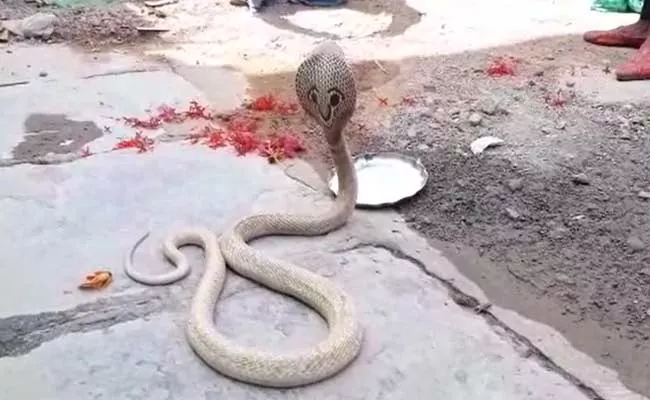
<point x="335" y="99"/>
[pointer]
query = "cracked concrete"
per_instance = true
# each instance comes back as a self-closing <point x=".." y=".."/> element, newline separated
<point x="65" y="219"/>
<point x="19" y="334"/>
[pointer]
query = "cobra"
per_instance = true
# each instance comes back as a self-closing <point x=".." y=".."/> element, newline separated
<point x="326" y="90"/>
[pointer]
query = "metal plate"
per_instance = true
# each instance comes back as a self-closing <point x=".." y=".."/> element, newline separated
<point x="385" y="178"/>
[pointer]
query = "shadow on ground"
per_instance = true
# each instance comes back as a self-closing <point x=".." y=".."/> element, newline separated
<point x="403" y="17"/>
<point x="553" y="224"/>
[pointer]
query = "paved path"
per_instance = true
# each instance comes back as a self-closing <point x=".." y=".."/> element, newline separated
<point x="62" y="221"/>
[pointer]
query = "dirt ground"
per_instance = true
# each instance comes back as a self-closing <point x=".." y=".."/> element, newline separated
<point x="555" y="223"/>
<point x="91" y="27"/>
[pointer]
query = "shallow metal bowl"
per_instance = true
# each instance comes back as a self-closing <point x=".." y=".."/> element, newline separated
<point x="385" y="178"/>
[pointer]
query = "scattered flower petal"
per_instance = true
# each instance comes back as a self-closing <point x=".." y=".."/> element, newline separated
<point x="97" y="280"/>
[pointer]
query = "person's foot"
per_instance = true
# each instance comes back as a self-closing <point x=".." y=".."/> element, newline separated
<point x="638" y="67"/>
<point x="624" y="36"/>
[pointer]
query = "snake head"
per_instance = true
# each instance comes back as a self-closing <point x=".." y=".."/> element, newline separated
<point x="326" y="89"/>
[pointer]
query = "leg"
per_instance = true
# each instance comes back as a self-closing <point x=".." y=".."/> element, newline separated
<point x="624" y="36"/>
<point x="638" y="67"/>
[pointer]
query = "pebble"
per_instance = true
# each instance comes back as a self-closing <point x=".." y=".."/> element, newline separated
<point x="475" y="119"/>
<point x="558" y="232"/>
<point x="580" y="179"/>
<point x="545" y="130"/>
<point x="42" y="74"/>
<point x="635" y="244"/>
<point x="644" y="195"/>
<point x="645" y="271"/>
<point x="513" y="214"/>
<point x="539" y="73"/>
<point x="490" y="106"/>
<point x="570" y="83"/>
<point x="561" y="125"/>
<point x="423" y="147"/>
<point x="561" y="277"/>
<point x="515" y="184"/>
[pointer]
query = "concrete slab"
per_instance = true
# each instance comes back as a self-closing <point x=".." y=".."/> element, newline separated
<point x="25" y="63"/>
<point x="381" y="30"/>
<point x="603" y="88"/>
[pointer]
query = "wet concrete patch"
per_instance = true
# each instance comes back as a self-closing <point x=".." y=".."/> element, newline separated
<point x="54" y="133"/>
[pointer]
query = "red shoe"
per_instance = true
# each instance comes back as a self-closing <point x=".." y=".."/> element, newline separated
<point x="624" y="36"/>
<point x="636" y="68"/>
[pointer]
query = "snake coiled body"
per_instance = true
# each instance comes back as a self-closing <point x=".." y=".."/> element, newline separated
<point x="326" y="90"/>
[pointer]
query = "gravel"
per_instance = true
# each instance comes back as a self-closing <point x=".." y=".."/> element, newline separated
<point x="92" y="27"/>
<point x="555" y="222"/>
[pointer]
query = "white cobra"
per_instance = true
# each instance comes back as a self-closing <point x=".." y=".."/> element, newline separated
<point x="326" y="89"/>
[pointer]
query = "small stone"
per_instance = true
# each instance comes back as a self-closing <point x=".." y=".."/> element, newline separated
<point x="475" y="119"/>
<point x="645" y="271"/>
<point x="580" y="179"/>
<point x="561" y="125"/>
<point x="4" y="35"/>
<point x="402" y="144"/>
<point x="489" y="107"/>
<point x="635" y="244"/>
<point x="513" y="214"/>
<point x="644" y="195"/>
<point x="39" y="25"/>
<point x="564" y="278"/>
<point x="42" y="74"/>
<point x="460" y="376"/>
<point x="160" y="14"/>
<point x="515" y="184"/>
<point x="539" y="73"/>
<point x="423" y="147"/>
<point x="545" y="130"/>
<point x="558" y="232"/>
<point x="570" y="84"/>
<point x="628" y="107"/>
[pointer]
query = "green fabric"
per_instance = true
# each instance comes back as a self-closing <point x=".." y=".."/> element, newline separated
<point x="635" y="5"/>
<point x="618" y="5"/>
